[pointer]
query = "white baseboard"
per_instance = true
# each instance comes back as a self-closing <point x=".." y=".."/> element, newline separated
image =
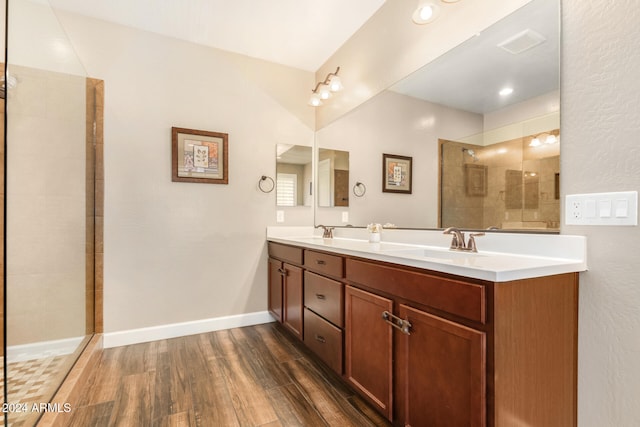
<point x="174" y="330"/>
<point x="43" y="349"/>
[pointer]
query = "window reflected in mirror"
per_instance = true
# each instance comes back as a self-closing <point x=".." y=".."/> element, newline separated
<point x="293" y="175"/>
<point x="333" y="178"/>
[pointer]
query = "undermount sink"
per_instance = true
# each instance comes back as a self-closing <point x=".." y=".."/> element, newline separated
<point x="433" y="253"/>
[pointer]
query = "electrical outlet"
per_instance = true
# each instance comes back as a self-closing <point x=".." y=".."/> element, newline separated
<point x="576" y="209"/>
<point x="617" y="208"/>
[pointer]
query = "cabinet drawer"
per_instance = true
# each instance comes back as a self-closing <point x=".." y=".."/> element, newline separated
<point x="324" y="339"/>
<point x="324" y="296"/>
<point x="330" y="265"/>
<point x="460" y="298"/>
<point x="286" y="253"/>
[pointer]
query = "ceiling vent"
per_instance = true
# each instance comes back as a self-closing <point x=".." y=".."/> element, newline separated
<point x="522" y="41"/>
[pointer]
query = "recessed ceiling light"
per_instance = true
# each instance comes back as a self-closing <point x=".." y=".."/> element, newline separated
<point x="425" y="12"/>
<point x="506" y="91"/>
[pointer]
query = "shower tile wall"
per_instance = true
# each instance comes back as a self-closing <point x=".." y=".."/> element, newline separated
<point x="457" y="207"/>
<point x="46" y="202"/>
<point x="492" y="208"/>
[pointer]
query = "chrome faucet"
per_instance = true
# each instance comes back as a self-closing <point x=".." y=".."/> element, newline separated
<point x="327" y="232"/>
<point x="458" y="243"/>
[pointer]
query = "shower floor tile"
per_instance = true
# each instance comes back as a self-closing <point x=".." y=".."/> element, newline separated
<point x="28" y="384"/>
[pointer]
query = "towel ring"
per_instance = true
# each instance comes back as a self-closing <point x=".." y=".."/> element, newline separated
<point x="267" y="179"/>
<point x="359" y="189"/>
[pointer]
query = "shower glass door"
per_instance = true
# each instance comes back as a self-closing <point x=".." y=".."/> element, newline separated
<point x="49" y="196"/>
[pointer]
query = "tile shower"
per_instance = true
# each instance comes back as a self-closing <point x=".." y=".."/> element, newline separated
<point x="50" y="233"/>
<point x="510" y="184"/>
<point x="53" y="193"/>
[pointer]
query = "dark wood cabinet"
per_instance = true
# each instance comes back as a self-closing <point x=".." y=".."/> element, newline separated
<point x="434" y="367"/>
<point x="432" y="349"/>
<point x="275" y="289"/>
<point x="324" y="307"/>
<point x="368" y="347"/>
<point x="286" y="288"/>
<point x="286" y="295"/>
<point x="324" y="339"/>
<point x="441" y="368"/>
<point x="293" y="299"/>
<point x="323" y="296"/>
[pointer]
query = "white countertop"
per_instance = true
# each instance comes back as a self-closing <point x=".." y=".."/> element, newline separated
<point x="506" y="257"/>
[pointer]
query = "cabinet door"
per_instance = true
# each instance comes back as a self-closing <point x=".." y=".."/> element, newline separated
<point x="368" y="342"/>
<point x="440" y="372"/>
<point x="293" y="299"/>
<point x="275" y="289"/>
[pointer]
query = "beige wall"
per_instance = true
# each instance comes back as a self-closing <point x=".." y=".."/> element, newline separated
<point x="600" y="152"/>
<point x="179" y="252"/>
<point x="46" y="208"/>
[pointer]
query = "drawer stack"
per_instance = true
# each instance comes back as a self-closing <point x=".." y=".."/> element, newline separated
<point x="324" y="307"/>
<point x="306" y="294"/>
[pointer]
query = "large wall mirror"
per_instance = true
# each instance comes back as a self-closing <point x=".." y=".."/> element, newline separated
<point x="480" y="159"/>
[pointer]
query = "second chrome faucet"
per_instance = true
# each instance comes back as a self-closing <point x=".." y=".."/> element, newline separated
<point x="458" y="241"/>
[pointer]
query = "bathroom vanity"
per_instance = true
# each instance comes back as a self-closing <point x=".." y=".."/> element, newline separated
<point x="434" y="337"/>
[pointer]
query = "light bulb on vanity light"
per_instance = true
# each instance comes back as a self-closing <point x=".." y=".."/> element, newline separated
<point x="315" y="100"/>
<point x="335" y="84"/>
<point x="324" y="91"/>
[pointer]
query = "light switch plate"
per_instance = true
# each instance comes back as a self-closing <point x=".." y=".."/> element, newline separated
<point x="617" y="208"/>
<point x="279" y="216"/>
<point x="345" y="216"/>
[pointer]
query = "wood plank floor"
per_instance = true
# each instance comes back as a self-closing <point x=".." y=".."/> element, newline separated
<point x="253" y="376"/>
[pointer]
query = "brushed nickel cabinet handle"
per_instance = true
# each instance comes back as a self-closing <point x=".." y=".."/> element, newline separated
<point x="320" y="296"/>
<point x="401" y="324"/>
<point x="320" y="262"/>
<point x="320" y="338"/>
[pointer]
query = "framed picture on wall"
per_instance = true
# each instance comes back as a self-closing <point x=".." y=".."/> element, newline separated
<point x="396" y="174"/>
<point x="199" y="156"/>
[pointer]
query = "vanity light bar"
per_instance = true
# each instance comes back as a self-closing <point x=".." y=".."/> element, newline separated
<point x="324" y="89"/>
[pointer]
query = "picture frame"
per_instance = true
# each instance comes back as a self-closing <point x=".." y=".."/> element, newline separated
<point x="397" y="174"/>
<point x="199" y="156"/>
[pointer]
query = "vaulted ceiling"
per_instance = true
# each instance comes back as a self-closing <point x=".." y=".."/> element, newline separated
<point x="298" y="33"/>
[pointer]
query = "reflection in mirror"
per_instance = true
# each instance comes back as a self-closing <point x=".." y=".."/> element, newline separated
<point x="456" y="98"/>
<point x="508" y="185"/>
<point x="333" y="178"/>
<point x="293" y="175"/>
